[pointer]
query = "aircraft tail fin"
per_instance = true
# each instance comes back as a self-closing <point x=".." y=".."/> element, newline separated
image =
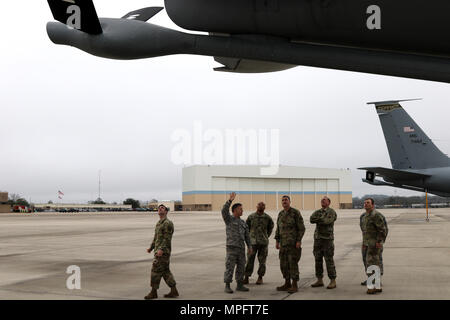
<point x="409" y="147"/>
<point x="77" y="14"/>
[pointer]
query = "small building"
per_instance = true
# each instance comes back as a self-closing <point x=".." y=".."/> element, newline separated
<point x="207" y="187"/>
<point x="4" y="206"/>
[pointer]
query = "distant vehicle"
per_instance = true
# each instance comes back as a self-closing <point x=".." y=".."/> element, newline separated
<point x="22" y="209"/>
<point x="416" y="161"/>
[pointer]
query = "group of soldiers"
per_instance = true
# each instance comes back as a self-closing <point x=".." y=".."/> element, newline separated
<point x="255" y="232"/>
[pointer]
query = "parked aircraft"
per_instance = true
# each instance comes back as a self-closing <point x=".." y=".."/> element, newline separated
<point x="417" y="164"/>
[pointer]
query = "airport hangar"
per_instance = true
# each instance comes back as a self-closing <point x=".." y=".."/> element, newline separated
<point x="206" y="188"/>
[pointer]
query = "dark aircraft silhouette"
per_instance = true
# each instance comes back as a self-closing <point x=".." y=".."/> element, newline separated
<point x="406" y="38"/>
<point x="416" y="161"/>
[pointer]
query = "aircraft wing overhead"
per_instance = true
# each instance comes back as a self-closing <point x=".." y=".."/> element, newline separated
<point x="397" y="175"/>
<point x="257" y="36"/>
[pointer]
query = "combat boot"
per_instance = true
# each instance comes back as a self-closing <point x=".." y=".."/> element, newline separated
<point x="379" y="290"/>
<point x="318" y="283"/>
<point x="228" y="288"/>
<point x="259" y="281"/>
<point x="240" y="287"/>
<point x="293" y="288"/>
<point x="152" y="295"/>
<point x="364" y="283"/>
<point x="332" y="284"/>
<point x="173" y="293"/>
<point x="245" y="280"/>
<point x="371" y="291"/>
<point x="285" y="286"/>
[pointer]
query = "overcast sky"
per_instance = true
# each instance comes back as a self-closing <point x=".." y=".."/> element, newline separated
<point x="65" y="115"/>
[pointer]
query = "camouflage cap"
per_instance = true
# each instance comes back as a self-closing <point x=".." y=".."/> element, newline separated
<point x="161" y="205"/>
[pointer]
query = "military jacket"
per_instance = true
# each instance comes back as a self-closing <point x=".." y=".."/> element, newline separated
<point x="290" y="227"/>
<point x="261" y="227"/>
<point x="324" y="220"/>
<point x="163" y="236"/>
<point x="236" y="229"/>
<point x="374" y="228"/>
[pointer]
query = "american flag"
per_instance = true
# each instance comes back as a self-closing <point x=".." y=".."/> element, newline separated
<point x="408" y="129"/>
<point x="60" y="193"/>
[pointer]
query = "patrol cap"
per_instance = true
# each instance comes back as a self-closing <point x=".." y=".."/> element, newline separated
<point x="161" y="205"/>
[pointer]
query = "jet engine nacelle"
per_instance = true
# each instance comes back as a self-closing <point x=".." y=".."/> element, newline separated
<point x="124" y="39"/>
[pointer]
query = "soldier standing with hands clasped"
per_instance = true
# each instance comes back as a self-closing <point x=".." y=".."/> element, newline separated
<point x="289" y="234"/>
<point x="260" y="225"/>
<point x="324" y="219"/>
<point x="162" y="244"/>
<point x="237" y="236"/>
<point x="364" y="248"/>
<point x="374" y="233"/>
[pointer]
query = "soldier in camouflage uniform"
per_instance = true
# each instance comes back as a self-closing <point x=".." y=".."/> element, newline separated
<point x="289" y="234"/>
<point x="324" y="242"/>
<point x="374" y="234"/>
<point x="364" y="249"/>
<point x="162" y="244"/>
<point x="237" y="236"/>
<point x="260" y="225"/>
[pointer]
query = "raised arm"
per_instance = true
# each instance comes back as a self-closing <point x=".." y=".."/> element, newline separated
<point x="226" y="208"/>
<point x="226" y="212"/>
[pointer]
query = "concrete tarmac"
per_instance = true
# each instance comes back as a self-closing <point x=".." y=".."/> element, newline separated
<point x="110" y="249"/>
